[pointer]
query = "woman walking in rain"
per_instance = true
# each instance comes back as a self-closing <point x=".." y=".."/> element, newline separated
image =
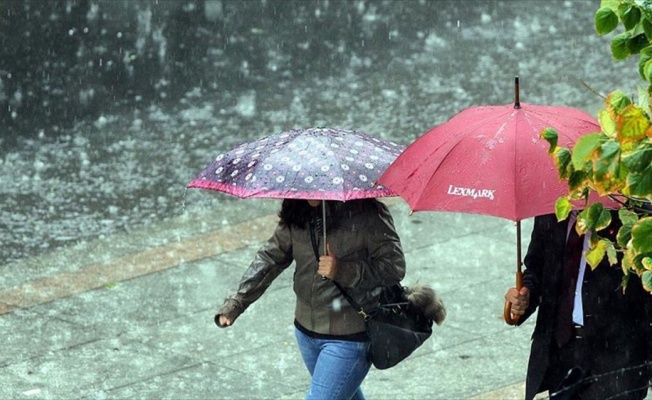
<point x="363" y="253"/>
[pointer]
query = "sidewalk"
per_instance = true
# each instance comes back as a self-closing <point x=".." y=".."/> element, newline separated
<point x="131" y="316"/>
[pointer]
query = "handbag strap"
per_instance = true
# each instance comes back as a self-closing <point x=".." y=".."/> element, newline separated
<point x="346" y="295"/>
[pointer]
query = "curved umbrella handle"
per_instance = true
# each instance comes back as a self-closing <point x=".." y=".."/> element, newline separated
<point x="507" y="311"/>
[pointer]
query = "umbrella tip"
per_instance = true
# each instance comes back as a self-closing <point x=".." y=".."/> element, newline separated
<point x="517" y="102"/>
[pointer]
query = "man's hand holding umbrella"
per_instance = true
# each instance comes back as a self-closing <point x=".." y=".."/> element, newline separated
<point x="519" y="299"/>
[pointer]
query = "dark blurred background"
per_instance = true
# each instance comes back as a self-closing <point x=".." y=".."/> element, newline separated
<point x="66" y="60"/>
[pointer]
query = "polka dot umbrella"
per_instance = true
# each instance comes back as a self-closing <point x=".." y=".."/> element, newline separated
<point x="308" y="163"/>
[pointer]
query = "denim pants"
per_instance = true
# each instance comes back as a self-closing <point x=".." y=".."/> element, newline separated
<point x="337" y="367"/>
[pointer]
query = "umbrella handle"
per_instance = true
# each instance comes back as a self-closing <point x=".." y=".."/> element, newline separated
<point x="507" y="312"/>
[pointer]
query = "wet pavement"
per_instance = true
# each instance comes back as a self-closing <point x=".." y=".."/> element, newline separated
<point x="131" y="316"/>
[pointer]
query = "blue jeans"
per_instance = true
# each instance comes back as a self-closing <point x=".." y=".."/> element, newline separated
<point x="337" y="367"/>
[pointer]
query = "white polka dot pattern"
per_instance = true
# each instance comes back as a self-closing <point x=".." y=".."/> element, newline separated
<point x="311" y="163"/>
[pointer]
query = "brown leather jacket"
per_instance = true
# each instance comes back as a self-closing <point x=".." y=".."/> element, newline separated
<point x="369" y="256"/>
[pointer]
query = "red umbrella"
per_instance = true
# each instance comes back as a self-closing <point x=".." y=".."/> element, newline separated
<point x="489" y="160"/>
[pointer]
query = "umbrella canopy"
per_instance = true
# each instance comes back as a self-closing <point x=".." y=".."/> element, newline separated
<point x="489" y="160"/>
<point x="310" y="163"/>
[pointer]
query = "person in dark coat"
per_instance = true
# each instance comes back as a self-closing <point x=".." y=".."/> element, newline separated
<point x="602" y="351"/>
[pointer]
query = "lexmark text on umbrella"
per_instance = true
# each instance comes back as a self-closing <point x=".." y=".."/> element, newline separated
<point x="469" y="192"/>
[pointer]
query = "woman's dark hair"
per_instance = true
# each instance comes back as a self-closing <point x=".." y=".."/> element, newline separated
<point x="298" y="213"/>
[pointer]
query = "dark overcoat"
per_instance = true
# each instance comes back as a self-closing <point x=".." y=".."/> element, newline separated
<point x="617" y="324"/>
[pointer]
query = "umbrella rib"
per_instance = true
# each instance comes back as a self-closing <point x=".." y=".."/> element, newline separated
<point x="515" y="162"/>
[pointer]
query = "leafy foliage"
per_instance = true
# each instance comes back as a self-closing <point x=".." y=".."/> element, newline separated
<point x="616" y="162"/>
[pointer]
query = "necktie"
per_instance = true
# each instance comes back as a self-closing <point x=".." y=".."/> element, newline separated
<point x="572" y="257"/>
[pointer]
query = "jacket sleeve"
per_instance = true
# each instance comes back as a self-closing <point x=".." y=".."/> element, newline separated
<point x="385" y="264"/>
<point x="647" y="308"/>
<point x="272" y="259"/>
<point x="534" y="264"/>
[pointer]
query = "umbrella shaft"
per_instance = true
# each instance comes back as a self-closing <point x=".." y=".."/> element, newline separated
<point x="323" y="216"/>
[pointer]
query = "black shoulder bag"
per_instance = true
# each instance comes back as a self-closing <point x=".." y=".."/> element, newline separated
<point x="395" y="327"/>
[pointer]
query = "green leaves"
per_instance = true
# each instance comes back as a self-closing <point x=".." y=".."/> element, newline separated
<point x="635" y="17"/>
<point x="646" y="26"/>
<point x="584" y="148"/>
<point x="618" y="160"/>
<point x="628" y="218"/>
<point x="642" y="235"/>
<point x="609" y="175"/>
<point x="636" y="43"/>
<point x="632" y="123"/>
<point x="644" y="5"/>
<point x="616" y="102"/>
<point x="561" y="156"/>
<point x="550" y="135"/>
<point x="619" y="46"/>
<point x="630" y="15"/>
<point x="563" y="207"/>
<point x="639" y="184"/>
<point x="644" y="64"/>
<point x="594" y="218"/>
<point x="646" y="279"/>
<point x="641" y="250"/>
<point x="607" y="123"/>
<point x="597" y="252"/>
<point x="639" y="158"/>
<point x="606" y="20"/>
